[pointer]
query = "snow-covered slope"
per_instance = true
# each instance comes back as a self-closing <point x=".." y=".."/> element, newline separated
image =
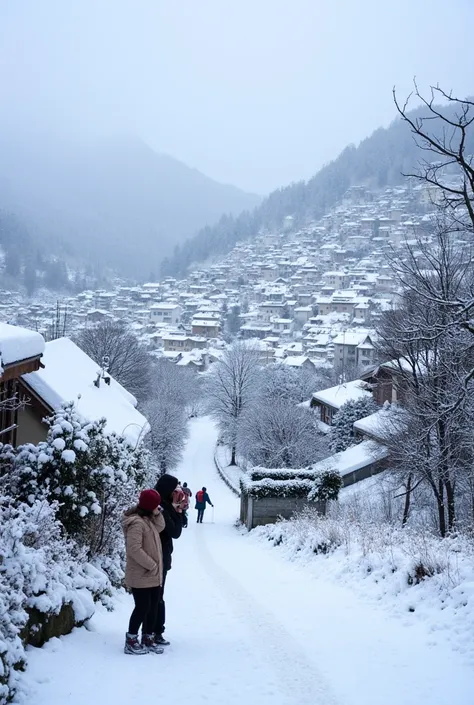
<point x="248" y="627"/>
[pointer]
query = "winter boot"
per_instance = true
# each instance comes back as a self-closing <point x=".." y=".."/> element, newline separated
<point x="148" y="642"/>
<point x="160" y="640"/>
<point x="133" y="646"/>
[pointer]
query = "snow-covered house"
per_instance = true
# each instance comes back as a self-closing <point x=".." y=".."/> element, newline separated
<point x="205" y="327"/>
<point x="20" y="352"/>
<point x="166" y="312"/>
<point x="299" y="362"/>
<point x="69" y="375"/>
<point x="388" y="380"/>
<point x="353" y="347"/>
<point x="183" y="343"/>
<point x="330" y="400"/>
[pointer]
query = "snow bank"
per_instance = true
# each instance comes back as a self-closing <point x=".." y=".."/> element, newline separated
<point x="69" y="375"/>
<point x="231" y="474"/>
<point x="18" y="344"/>
<point x="409" y="572"/>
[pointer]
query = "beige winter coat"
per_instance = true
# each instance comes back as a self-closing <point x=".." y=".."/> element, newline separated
<point x="144" y="566"/>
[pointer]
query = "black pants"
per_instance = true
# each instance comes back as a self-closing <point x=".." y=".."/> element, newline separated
<point x="160" y="615"/>
<point x="200" y="515"/>
<point x="185" y="519"/>
<point x="146" y="605"/>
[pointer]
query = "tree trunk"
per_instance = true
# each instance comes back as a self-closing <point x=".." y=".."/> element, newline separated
<point x="441" y="509"/>
<point x="406" y="508"/>
<point x="451" y="505"/>
<point x="233" y="460"/>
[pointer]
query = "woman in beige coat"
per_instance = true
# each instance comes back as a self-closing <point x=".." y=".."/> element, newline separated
<point x="144" y="570"/>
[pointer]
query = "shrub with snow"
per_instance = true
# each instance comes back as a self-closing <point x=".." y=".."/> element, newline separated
<point x="39" y="569"/>
<point x="93" y="477"/>
<point x="342" y="431"/>
<point x="282" y="482"/>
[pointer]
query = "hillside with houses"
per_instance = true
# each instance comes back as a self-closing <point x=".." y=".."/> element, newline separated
<point x="318" y="383"/>
<point x="310" y="296"/>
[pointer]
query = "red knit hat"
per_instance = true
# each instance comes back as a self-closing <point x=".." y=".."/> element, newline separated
<point x="149" y="500"/>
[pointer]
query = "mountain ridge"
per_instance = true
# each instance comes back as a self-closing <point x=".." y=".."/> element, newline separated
<point x="379" y="160"/>
<point x="117" y="202"/>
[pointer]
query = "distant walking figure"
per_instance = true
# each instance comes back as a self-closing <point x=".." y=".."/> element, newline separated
<point x="202" y="498"/>
<point x="188" y="494"/>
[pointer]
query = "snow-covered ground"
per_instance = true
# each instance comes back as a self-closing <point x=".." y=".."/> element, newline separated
<point x="249" y="627"/>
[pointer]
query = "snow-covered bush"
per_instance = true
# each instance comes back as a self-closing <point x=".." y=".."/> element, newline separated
<point x="342" y="431"/>
<point x="39" y="570"/>
<point x="93" y="476"/>
<point x="315" y="485"/>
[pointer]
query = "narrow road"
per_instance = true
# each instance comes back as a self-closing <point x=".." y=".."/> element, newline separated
<point x="248" y="627"/>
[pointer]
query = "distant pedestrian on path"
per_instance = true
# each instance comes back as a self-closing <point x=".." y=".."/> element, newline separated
<point x="142" y="526"/>
<point x="202" y="498"/>
<point x="188" y="494"/>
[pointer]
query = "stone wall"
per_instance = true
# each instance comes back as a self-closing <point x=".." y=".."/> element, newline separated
<point x="256" y="511"/>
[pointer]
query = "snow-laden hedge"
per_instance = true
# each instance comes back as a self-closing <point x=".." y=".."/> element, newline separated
<point x="39" y="570"/>
<point x="316" y="485"/>
<point x="409" y="571"/>
<point x="61" y="541"/>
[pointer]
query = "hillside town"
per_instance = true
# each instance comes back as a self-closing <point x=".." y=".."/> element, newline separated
<point x="310" y="297"/>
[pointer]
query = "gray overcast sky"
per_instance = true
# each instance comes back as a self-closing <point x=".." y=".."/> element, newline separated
<point x="256" y="93"/>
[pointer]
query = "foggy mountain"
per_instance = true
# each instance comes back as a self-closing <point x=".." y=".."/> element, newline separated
<point x="379" y="160"/>
<point x="114" y="201"/>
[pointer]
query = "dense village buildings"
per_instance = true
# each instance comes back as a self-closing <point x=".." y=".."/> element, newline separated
<point x="321" y="287"/>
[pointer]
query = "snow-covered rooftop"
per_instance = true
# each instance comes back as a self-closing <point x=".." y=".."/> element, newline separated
<point x="17" y="344"/>
<point x="342" y="393"/>
<point x="357" y="338"/>
<point x="69" y="375"/>
<point x="296" y="360"/>
<point x="354" y="458"/>
<point x="380" y="421"/>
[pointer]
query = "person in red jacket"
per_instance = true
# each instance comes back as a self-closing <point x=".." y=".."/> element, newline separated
<point x="202" y="498"/>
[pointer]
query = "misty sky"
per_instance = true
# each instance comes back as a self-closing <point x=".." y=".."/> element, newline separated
<point x="256" y="93"/>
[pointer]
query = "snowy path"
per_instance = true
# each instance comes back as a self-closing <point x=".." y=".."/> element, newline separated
<point x="248" y="627"/>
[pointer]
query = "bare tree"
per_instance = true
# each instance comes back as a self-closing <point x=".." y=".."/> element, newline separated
<point x="166" y="440"/>
<point x="230" y="387"/>
<point x="279" y="381"/>
<point x="178" y="385"/>
<point x="432" y="353"/>
<point x="280" y="435"/>
<point x="112" y="345"/>
<point x="445" y="134"/>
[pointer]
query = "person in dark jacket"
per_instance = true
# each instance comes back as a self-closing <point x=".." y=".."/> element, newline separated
<point x="166" y="485"/>
<point x="202" y="498"/>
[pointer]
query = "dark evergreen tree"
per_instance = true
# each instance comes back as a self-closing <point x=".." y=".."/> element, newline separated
<point x="342" y="431"/>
